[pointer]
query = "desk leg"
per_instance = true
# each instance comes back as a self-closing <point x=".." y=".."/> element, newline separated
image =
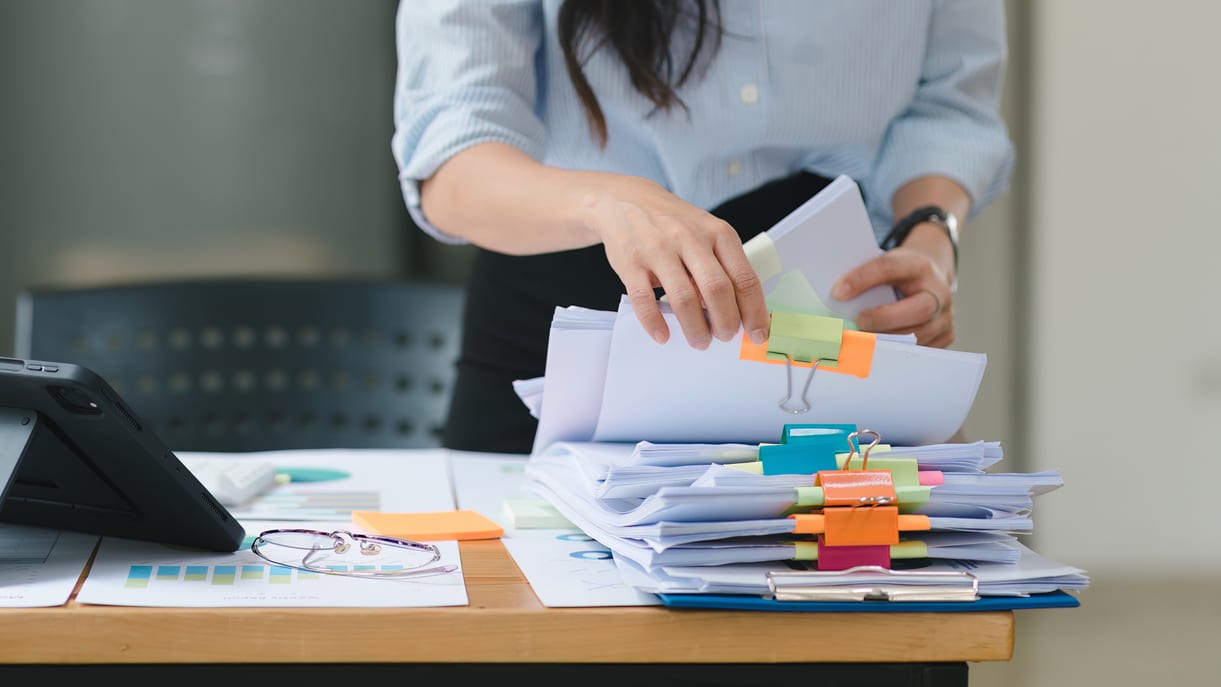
<point x="585" y="675"/>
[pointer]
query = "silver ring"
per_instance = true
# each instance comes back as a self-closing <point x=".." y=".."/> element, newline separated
<point x="937" y="300"/>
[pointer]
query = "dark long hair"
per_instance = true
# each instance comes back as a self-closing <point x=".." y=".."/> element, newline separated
<point x="640" y="32"/>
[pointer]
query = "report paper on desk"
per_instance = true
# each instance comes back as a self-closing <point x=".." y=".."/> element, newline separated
<point x="133" y="573"/>
<point x="40" y="566"/>
<point x="565" y="567"/>
<point x="328" y="484"/>
<point x="325" y="487"/>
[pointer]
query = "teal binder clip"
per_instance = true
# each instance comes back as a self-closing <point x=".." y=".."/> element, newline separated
<point x="804" y="449"/>
<point x="794" y="433"/>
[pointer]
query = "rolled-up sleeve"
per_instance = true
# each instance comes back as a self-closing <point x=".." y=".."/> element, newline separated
<point x="953" y="126"/>
<point x="466" y="75"/>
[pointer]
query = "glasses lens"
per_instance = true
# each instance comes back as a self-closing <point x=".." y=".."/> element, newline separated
<point x="305" y="540"/>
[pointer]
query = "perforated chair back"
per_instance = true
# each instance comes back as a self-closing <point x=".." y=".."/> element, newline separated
<point x="260" y="364"/>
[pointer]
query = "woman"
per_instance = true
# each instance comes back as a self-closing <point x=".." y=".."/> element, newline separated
<point x="595" y="148"/>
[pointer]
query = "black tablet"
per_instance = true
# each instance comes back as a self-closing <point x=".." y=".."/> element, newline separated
<point x="74" y="456"/>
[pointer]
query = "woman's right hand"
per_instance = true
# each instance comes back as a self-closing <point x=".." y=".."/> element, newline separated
<point x="497" y="197"/>
<point x="654" y="239"/>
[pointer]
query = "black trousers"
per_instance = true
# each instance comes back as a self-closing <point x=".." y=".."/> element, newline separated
<point x="509" y="307"/>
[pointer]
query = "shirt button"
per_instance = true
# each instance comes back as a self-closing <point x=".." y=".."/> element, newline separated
<point x="749" y="94"/>
<point x="733" y="168"/>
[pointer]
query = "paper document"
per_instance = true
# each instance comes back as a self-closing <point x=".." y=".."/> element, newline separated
<point x="803" y="255"/>
<point x="133" y="573"/>
<point x="622" y="386"/>
<point x="40" y="566"/>
<point x="571" y="569"/>
<point x="328" y="484"/>
<point x="564" y="566"/>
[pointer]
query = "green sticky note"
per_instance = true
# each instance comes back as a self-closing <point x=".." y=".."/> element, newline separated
<point x="534" y="514"/>
<point x="805" y="338"/>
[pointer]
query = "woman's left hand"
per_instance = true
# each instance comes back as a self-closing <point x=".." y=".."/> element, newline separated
<point x="926" y="299"/>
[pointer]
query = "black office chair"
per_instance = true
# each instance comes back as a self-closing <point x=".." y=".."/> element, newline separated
<point x="256" y="364"/>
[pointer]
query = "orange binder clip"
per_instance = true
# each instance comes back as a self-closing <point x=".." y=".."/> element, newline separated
<point x="864" y="487"/>
<point x="857" y="508"/>
<point x="853" y="526"/>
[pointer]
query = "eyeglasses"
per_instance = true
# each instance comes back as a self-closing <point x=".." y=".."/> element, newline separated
<point x="344" y="553"/>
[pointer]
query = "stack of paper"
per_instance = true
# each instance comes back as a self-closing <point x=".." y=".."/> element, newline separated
<point x="685" y="521"/>
<point x="656" y="450"/>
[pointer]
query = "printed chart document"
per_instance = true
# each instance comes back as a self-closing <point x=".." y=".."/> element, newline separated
<point x="320" y="490"/>
<point x="132" y="573"/>
<point x="328" y="484"/>
<point x="565" y="567"/>
<point x="568" y="568"/>
<point x="39" y="566"/>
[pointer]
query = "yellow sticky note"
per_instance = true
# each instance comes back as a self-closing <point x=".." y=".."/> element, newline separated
<point x="432" y="526"/>
<point x="805" y="338"/>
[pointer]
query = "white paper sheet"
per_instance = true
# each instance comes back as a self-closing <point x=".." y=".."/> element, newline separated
<point x="484" y="481"/>
<point x="565" y="567"/>
<point x="328" y="484"/>
<point x="822" y="239"/>
<point x="572" y="387"/>
<point x="40" y="566"/>
<point x="671" y="392"/>
<point x="133" y="573"/>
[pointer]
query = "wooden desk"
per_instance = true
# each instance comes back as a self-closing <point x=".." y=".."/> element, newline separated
<point x="504" y="624"/>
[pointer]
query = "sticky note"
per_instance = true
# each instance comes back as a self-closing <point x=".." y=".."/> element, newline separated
<point x="804" y="338"/>
<point x="429" y="526"/>
<point x="534" y="514"/>
<point x="855" y="355"/>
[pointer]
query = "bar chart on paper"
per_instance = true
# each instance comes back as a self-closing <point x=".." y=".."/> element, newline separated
<point x="288" y="503"/>
<point x="328" y="484"/>
<point x="134" y="573"/>
<point x="228" y="575"/>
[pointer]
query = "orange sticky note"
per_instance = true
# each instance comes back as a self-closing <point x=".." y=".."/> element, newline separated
<point x="855" y="354"/>
<point x="855" y="487"/>
<point x="434" y="526"/>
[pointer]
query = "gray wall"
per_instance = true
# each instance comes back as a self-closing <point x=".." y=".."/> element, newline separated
<point x="143" y="139"/>
<point x="991" y="290"/>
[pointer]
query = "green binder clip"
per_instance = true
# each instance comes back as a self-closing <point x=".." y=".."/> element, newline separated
<point x="805" y="339"/>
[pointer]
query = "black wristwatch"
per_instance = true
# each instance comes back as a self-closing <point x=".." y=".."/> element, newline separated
<point x="931" y="213"/>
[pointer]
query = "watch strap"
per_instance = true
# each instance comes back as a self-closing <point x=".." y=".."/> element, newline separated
<point x="930" y="213"/>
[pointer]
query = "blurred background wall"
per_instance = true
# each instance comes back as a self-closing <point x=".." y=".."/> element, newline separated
<point x="143" y="139"/>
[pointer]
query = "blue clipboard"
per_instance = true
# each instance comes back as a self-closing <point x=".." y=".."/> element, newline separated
<point x="742" y="602"/>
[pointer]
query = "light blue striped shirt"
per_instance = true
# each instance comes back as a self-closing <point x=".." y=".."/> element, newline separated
<point x="879" y="90"/>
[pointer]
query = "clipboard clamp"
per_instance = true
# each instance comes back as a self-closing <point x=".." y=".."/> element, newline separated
<point x="872" y="583"/>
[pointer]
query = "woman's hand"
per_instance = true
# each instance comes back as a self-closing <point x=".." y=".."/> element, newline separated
<point x="921" y="272"/>
<point x="497" y="197"/>
<point x="654" y="239"/>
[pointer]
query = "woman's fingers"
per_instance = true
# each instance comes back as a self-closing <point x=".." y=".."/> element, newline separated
<point x="696" y="259"/>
